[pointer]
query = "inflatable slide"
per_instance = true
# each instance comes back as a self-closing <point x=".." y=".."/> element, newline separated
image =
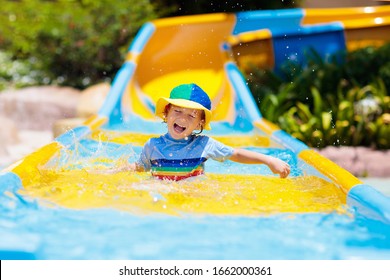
<point x="58" y="203"/>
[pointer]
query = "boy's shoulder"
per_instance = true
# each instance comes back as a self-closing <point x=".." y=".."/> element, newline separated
<point x="157" y="139"/>
<point x="201" y="138"/>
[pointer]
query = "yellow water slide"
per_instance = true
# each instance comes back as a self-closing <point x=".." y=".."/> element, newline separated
<point x="364" y="26"/>
<point x="183" y="50"/>
<point x="193" y="49"/>
<point x="331" y="29"/>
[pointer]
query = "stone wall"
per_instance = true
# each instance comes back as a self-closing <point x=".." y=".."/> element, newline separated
<point x="360" y="161"/>
<point x="37" y="108"/>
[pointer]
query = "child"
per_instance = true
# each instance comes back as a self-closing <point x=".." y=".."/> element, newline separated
<point x="181" y="153"/>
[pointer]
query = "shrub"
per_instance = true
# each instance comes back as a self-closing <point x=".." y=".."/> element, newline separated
<point x="330" y="103"/>
<point x="19" y="73"/>
<point x="359" y="119"/>
<point x="74" y="43"/>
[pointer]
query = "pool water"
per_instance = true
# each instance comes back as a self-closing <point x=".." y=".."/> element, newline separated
<point x="49" y="232"/>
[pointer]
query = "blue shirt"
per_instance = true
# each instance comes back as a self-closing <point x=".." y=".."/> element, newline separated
<point x="173" y="159"/>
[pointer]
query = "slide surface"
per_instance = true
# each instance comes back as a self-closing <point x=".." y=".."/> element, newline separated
<point x="68" y="174"/>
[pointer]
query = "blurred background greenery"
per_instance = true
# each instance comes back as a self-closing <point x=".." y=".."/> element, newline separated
<point x="342" y="102"/>
<point x="80" y="43"/>
<point x="70" y="43"/>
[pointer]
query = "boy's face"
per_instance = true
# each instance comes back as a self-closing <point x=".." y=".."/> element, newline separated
<point x="182" y="122"/>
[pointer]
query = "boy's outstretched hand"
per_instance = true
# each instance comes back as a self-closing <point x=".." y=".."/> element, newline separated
<point x="278" y="166"/>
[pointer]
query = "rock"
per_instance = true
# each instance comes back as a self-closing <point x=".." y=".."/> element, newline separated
<point x="360" y="161"/>
<point x="377" y="162"/>
<point x="357" y="168"/>
<point x="37" y="108"/>
<point x="92" y="99"/>
<point x="29" y="141"/>
<point x="333" y="153"/>
<point x="3" y="151"/>
<point x="8" y="132"/>
<point x="378" y="169"/>
<point x="63" y="125"/>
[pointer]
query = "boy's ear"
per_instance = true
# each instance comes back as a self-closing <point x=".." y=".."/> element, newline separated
<point x="200" y="124"/>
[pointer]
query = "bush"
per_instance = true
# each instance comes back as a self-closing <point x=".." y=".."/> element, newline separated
<point x="19" y="73"/>
<point x="73" y="43"/>
<point x="82" y="42"/>
<point x="330" y="103"/>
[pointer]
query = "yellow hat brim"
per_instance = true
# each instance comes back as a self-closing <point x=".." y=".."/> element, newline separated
<point x="163" y="102"/>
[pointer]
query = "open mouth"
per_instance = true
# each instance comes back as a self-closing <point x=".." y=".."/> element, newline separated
<point x="178" y="128"/>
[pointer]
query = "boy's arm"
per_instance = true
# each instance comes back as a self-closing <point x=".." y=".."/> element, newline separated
<point x="276" y="165"/>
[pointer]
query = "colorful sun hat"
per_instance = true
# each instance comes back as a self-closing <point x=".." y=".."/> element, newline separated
<point x="188" y="96"/>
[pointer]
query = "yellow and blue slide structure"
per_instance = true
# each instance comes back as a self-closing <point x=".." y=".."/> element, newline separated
<point x="63" y="179"/>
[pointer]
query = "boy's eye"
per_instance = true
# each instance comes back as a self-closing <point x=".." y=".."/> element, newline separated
<point x="192" y="116"/>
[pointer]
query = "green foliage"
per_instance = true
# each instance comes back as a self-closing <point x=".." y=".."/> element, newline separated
<point x="19" y="73"/>
<point x="342" y="71"/>
<point x="366" y="64"/>
<point x="72" y="42"/>
<point x="82" y="42"/>
<point x="330" y="103"/>
<point x="357" y="120"/>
